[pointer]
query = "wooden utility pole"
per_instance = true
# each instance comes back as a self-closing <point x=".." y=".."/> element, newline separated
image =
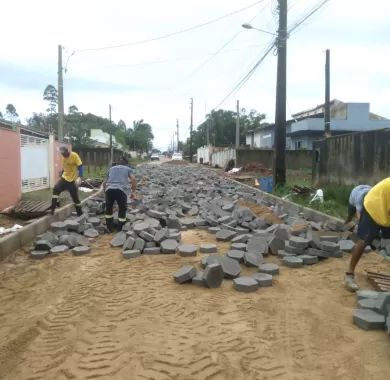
<point x="327" y="94"/>
<point x="60" y="97"/>
<point x="177" y="133"/>
<point x="111" y="146"/>
<point x="280" y="109"/>
<point x="238" y="125"/>
<point x="191" y="125"/>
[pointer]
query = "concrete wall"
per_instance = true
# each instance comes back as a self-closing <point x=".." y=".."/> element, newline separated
<point x="203" y="154"/>
<point x="295" y="159"/>
<point x="352" y="159"/>
<point x="219" y="158"/>
<point x="10" y="168"/>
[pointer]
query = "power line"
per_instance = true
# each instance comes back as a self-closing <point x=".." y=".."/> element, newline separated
<point x="172" y="33"/>
<point x="314" y="10"/>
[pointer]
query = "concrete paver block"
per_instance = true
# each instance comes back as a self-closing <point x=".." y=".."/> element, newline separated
<point x="383" y="303"/>
<point x="94" y="221"/>
<point x="257" y="244"/>
<point x="298" y="242"/>
<point x="91" y="233"/>
<point x="119" y="239"/>
<point x="236" y="255"/>
<point x="309" y="259"/>
<point x="238" y="246"/>
<point x="319" y="253"/>
<point x="152" y="251"/>
<point x="198" y="279"/>
<point x="139" y="244"/>
<point x="73" y="225"/>
<point x="81" y="250"/>
<point x="269" y="268"/>
<point x="329" y="246"/>
<point x="175" y="235"/>
<point x="43" y="245"/>
<point x="225" y="235"/>
<point x="253" y="259"/>
<point x="38" y="254"/>
<point x="213" y="230"/>
<point x="275" y="245"/>
<point x="282" y="233"/>
<point x="329" y="238"/>
<point x="139" y="227"/>
<point x="263" y="279"/>
<point x="128" y="244"/>
<point x="146" y="236"/>
<point x="169" y="246"/>
<point x="187" y="250"/>
<point x="282" y="253"/>
<point x="294" y="250"/>
<point x="346" y="245"/>
<point x="368" y="319"/>
<point x="187" y="222"/>
<point x="292" y="262"/>
<point x="208" y="248"/>
<point x="161" y="235"/>
<point x="241" y="238"/>
<point x="131" y="253"/>
<point x="367" y="303"/>
<point x="213" y="275"/>
<point x="58" y="226"/>
<point x="367" y="293"/>
<point x="59" y="249"/>
<point x="245" y="284"/>
<point x="211" y="259"/>
<point x="231" y="268"/>
<point x="185" y="274"/>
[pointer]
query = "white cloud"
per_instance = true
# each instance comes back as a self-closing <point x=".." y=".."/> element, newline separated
<point x="357" y="33"/>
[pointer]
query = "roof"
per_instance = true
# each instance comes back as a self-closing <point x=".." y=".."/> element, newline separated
<point x="310" y="132"/>
<point x="23" y="129"/>
<point x="317" y="110"/>
<point x="269" y="126"/>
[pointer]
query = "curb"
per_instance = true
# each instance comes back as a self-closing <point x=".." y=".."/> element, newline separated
<point x="25" y="235"/>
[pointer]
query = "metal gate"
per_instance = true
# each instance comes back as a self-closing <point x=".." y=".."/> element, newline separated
<point x="34" y="163"/>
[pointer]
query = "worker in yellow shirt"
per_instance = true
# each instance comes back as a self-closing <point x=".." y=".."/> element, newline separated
<point x="70" y="179"/>
<point x="374" y="223"/>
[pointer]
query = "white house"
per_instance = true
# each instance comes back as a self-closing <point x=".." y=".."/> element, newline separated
<point x="308" y="126"/>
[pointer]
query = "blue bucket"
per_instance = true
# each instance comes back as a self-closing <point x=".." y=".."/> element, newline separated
<point x="266" y="184"/>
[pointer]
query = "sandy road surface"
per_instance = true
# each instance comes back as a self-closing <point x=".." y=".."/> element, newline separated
<point x="101" y="317"/>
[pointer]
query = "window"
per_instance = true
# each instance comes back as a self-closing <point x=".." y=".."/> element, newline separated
<point x="298" y="145"/>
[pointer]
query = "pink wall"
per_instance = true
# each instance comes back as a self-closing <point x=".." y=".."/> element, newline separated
<point x="10" y="168"/>
<point x="57" y="159"/>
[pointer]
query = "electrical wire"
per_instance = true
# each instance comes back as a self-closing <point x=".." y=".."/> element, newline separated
<point x="168" y="35"/>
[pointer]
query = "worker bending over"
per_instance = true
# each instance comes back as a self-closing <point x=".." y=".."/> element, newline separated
<point x="374" y="223"/>
<point x="355" y="204"/>
<point x="70" y="179"/>
<point x="117" y="189"/>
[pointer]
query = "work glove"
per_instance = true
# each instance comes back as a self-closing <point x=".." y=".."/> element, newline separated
<point x="78" y="182"/>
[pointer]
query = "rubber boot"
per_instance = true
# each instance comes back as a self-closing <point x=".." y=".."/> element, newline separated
<point x="54" y="204"/>
<point x="110" y="224"/>
<point x="79" y="210"/>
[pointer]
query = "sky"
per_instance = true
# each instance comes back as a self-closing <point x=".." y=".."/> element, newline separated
<point x="155" y="80"/>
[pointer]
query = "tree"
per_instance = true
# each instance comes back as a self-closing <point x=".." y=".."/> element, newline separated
<point x="50" y="95"/>
<point x="10" y="112"/>
<point x="122" y="125"/>
<point x="73" y="110"/>
<point x="39" y="122"/>
<point x="1" y="115"/>
<point x="142" y="136"/>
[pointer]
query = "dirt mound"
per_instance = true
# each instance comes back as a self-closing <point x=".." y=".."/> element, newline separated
<point x="176" y="162"/>
<point x="261" y="211"/>
<point x="256" y="167"/>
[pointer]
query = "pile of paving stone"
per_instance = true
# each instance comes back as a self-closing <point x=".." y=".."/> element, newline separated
<point x="73" y="234"/>
<point x="373" y="312"/>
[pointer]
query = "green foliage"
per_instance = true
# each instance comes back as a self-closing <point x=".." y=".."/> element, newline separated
<point x="10" y="112"/>
<point x="222" y="129"/>
<point x="50" y="95"/>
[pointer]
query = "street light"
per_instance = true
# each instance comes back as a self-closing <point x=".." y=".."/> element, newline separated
<point x="249" y="26"/>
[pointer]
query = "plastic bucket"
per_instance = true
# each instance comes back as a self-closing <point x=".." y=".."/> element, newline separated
<point x="266" y="184"/>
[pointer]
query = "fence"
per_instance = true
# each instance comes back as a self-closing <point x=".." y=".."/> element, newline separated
<point x="295" y="159"/>
<point x="215" y="156"/>
<point x="353" y="158"/>
<point x="96" y="158"/>
<point x="10" y="170"/>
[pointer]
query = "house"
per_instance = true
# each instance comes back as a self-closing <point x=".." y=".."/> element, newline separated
<point x="308" y="126"/>
<point x="102" y="139"/>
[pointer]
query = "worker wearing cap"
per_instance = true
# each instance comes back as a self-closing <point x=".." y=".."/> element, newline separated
<point x="374" y="223"/>
<point x="355" y="203"/>
<point x="70" y="179"/>
<point x="117" y="189"/>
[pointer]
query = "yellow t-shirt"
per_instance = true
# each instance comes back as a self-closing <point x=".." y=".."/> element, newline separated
<point x="377" y="203"/>
<point x="70" y="165"/>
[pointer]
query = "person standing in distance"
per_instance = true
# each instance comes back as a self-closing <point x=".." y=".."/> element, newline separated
<point x="117" y="189"/>
<point x="70" y="179"/>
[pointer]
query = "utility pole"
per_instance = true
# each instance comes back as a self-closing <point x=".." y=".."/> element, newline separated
<point x="192" y="117"/>
<point x="177" y="133"/>
<point x="280" y="109"/>
<point x="238" y="125"/>
<point x="208" y="131"/>
<point x="60" y="97"/>
<point x="327" y="94"/>
<point x="111" y="146"/>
